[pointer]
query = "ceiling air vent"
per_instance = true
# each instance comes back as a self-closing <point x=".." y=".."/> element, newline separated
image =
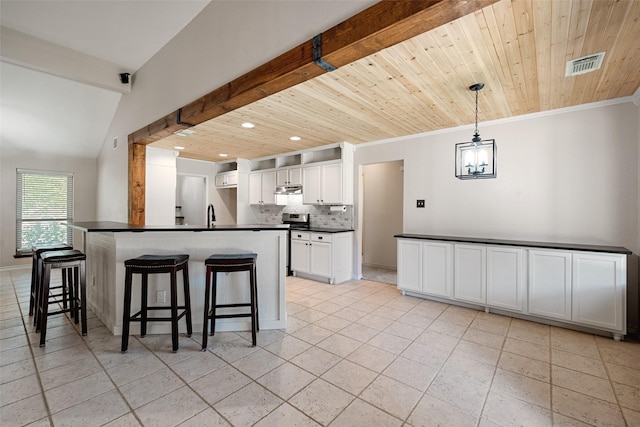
<point x="584" y="65"/>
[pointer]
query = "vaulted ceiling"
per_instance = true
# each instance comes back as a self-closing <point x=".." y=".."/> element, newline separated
<point x="518" y="48"/>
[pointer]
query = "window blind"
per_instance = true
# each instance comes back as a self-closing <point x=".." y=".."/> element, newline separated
<point x="44" y="200"/>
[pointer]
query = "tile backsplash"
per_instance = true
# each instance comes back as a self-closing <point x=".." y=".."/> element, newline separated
<point x="321" y="216"/>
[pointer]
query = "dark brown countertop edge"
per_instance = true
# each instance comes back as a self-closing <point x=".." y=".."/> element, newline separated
<point x="327" y="230"/>
<point x="109" y="226"/>
<point x="545" y="245"/>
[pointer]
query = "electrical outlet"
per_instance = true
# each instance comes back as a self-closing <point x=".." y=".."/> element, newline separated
<point x="161" y="296"/>
<point x="420" y="203"/>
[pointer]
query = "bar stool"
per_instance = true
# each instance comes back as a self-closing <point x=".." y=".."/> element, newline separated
<point x="72" y="260"/>
<point x="156" y="264"/>
<point x="36" y="271"/>
<point x="224" y="263"/>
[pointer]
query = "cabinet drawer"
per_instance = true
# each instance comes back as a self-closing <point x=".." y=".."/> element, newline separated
<point x="321" y="237"/>
<point x="299" y="235"/>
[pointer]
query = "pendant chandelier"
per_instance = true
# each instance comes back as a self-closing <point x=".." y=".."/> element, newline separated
<point x="476" y="159"/>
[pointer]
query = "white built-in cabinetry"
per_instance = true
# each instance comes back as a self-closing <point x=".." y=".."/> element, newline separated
<point x="227" y="179"/>
<point x="574" y="287"/>
<point x="325" y="255"/>
<point x="289" y="176"/>
<point x="261" y="188"/>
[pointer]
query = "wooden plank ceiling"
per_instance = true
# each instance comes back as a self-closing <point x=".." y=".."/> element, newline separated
<point x="518" y="48"/>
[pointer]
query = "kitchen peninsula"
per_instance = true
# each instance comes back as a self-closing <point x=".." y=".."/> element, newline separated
<point x="108" y="244"/>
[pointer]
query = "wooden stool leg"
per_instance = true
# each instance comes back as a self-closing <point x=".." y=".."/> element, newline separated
<point x="174" y="311"/>
<point x="207" y="296"/>
<point x="255" y="290"/>
<point x="83" y="297"/>
<point x="32" y="298"/>
<point x="254" y="313"/>
<point x="214" y="291"/>
<point x="73" y="294"/>
<point x="126" y="312"/>
<point x="44" y="304"/>
<point x="187" y="299"/>
<point x="38" y="294"/>
<point x="144" y="304"/>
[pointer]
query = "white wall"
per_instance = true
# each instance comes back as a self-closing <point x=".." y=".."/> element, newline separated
<point x="382" y="213"/>
<point x="160" y="195"/>
<point x="84" y="192"/>
<point x="566" y="177"/>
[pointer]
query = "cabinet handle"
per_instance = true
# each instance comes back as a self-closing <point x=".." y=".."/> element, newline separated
<point x="319" y="237"/>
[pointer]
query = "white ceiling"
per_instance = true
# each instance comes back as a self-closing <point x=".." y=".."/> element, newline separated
<point x="41" y="111"/>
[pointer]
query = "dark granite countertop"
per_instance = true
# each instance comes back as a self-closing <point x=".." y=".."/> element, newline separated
<point x="545" y="245"/>
<point x="328" y="230"/>
<point x="98" y="226"/>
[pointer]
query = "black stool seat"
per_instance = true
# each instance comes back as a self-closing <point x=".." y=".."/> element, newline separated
<point x="66" y="259"/>
<point x="36" y="270"/>
<point x="155" y="264"/>
<point x="226" y="263"/>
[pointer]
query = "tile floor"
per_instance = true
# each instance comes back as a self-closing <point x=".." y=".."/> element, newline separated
<point x="355" y="354"/>
<point x="379" y="274"/>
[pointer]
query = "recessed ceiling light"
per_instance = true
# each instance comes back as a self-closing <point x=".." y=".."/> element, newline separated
<point x="223" y="155"/>
<point x="178" y="147"/>
<point x="184" y="132"/>
<point x="295" y="138"/>
<point x="248" y="125"/>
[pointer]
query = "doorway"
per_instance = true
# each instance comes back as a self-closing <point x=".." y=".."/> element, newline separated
<point x="382" y="200"/>
<point x="191" y="199"/>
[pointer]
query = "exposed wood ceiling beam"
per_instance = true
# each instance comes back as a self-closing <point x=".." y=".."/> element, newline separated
<point x="380" y="26"/>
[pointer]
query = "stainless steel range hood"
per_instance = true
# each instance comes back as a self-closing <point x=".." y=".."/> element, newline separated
<point x="288" y="189"/>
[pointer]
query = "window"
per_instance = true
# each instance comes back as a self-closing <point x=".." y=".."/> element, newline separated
<point x="44" y="200"/>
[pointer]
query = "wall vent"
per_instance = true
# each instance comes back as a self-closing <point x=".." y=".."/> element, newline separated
<point x="584" y="65"/>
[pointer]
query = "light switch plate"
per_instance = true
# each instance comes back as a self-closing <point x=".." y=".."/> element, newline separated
<point x="420" y="203"/>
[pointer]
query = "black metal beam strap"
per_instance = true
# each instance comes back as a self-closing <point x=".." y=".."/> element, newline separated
<point x="317" y="54"/>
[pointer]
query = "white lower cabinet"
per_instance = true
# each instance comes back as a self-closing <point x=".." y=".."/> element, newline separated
<point x="550" y="284"/>
<point x="505" y="278"/>
<point x="470" y="273"/>
<point x="573" y="287"/>
<point x="326" y="255"/>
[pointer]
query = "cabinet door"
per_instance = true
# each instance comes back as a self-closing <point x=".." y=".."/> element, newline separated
<point x="220" y="180"/>
<point x="599" y="290"/>
<point x="231" y="178"/>
<point x="550" y="284"/>
<point x="295" y="176"/>
<point x="255" y="188"/>
<point x="320" y="259"/>
<point x="300" y="255"/>
<point x="311" y="185"/>
<point x="470" y="273"/>
<point x="437" y="271"/>
<point x="410" y="265"/>
<point x="282" y="177"/>
<point x="505" y="278"/>
<point x="331" y="186"/>
<point x="268" y="187"/>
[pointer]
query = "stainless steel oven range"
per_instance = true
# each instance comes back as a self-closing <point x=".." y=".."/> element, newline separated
<point x="296" y="222"/>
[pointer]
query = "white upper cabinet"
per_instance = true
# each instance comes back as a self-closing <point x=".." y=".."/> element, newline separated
<point x="261" y="188"/>
<point x="289" y="176"/>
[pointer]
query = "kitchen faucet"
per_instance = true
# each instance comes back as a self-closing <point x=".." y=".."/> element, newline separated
<point x="211" y="216"/>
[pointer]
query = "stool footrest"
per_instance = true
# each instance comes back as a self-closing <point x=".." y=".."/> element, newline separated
<point x="228" y="316"/>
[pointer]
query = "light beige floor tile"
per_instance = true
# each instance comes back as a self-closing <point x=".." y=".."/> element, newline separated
<point x="438" y="340"/>
<point x="525" y="366"/>
<point x="411" y="373"/>
<point x="359" y="332"/>
<point x="478" y="352"/>
<point x="391" y="396"/>
<point x="579" y="363"/>
<point x="137" y="368"/>
<point x="264" y="337"/>
<point x="507" y="411"/>
<point x="360" y="413"/>
<point x="527" y="349"/>
<point x="19" y="389"/>
<point x="55" y="344"/>
<point x="524" y="330"/>
<point x="258" y="363"/>
<point x="632" y="417"/>
<point x="403" y="330"/>
<point x="151" y="387"/>
<point x="623" y="375"/>
<point x="171" y="409"/>
<point x="592" y="386"/>
<point x="232" y="351"/>
<point x="458" y="315"/>
<point x="339" y="345"/>
<point x="391" y="343"/>
<point x="447" y="328"/>
<point x="219" y="384"/>
<point x="333" y="323"/>
<point x="490" y="322"/>
<point x="310" y="315"/>
<point x="316" y="360"/>
<point x="62" y="357"/>
<point x="374" y="321"/>
<point x="432" y="412"/>
<point x="286" y="415"/>
<point x="371" y="357"/>
<point x="127" y="420"/>
<point x="286" y="380"/>
<point x="518" y="386"/>
<point x="456" y="390"/>
<point x="24" y="411"/>
<point x="628" y="396"/>
<point x="328" y="307"/>
<point x="619" y="352"/>
<point x="69" y="372"/>
<point x="484" y="338"/>
<point x="293" y="308"/>
<point x="560" y="420"/>
<point x="321" y="401"/>
<point x="416" y="319"/>
<point x="426" y="355"/>
<point x="206" y="418"/>
<point x="97" y="411"/>
<point x="312" y="334"/>
<point x="78" y="391"/>
<point x="584" y="408"/>
<point x="14" y="355"/>
<point x="248" y="405"/>
<point x="349" y="377"/>
<point x="196" y="366"/>
<point x="389" y="312"/>
<point x="574" y="342"/>
<point x="468" y="368"/>
<point x="350" y="314"/>
<point x="17" y="370"/>
<point x="287" y="347"/>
